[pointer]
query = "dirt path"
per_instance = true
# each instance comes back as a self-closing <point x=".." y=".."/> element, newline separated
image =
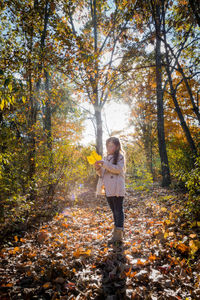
<point x="68" y="258"/>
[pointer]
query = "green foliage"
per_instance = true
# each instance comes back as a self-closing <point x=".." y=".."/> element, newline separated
<point x="142" y="180"/>
<point x="192" y="178"/>
<point x="13" y="165"/>
<point x="192" y="182"/>
<point x="180" y="160"/>
<point x="187" y="175"/>
<point x="183" y="168"/>
<point x="16" y="209"/>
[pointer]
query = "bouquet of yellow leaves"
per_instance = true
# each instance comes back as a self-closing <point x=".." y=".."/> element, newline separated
<point x="93" y="157"/>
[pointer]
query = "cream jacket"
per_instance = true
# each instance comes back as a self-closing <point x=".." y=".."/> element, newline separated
<point x="112" y="177"/>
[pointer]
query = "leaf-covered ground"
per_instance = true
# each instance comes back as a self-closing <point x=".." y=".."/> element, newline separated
<point x="68" y="257"/>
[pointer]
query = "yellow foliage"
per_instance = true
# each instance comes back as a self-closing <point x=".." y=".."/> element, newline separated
<point x="194" y="246"/>
<point x="93" y="157"/>
<point x="81" y="251"/>
<point x="163" y="209"/>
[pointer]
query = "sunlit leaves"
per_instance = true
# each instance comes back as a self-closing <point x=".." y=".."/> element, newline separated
<point x="77" y="255"/>
<point x="81" y="251"/>
<point x="93" y="157"/>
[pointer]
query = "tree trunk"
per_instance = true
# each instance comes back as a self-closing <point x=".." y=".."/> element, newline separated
<point x="94" y="83"/>
<point x="173" y="94"/>
<point x="33" y="104"/>
<point x="47" y="119"/>
<point x="48" y="131"/>
<point x="194" y="106"/>
<point x="99" y="131"/>
<point x="31" y="125"/>
<point x="148" y="147"/>
<point x="176" y="104"/>
<point x="32" y="144"/>
<point x="195" y="5"/>
<point x="166" y="180"/>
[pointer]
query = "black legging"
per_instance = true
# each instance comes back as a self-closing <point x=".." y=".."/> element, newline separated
<point x="116" y="205"/>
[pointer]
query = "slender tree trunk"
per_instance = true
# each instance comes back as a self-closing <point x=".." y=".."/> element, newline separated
<point x="47" y="121"/>
<point x="97" y="104"/>
<point x="48" y="131"/>
<point x="33" y="103"/>
<point x="194" y="106"/>
<point x="47" y="107"/>
<point x="2" y="150"/>
<point x="166" y="180"/>
<point x="181" y="117"/>
<point x="147" y="147"/>
<point x="31" y="125"/>
<point x="32" y="144"/>
<point x="151" y="155"/>
<point x="99" y="131"/>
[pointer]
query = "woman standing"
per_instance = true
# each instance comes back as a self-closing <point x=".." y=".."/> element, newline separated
<point x="111" y="171"/>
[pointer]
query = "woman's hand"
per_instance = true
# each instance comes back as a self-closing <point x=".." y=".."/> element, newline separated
<point x="98" y="164"/>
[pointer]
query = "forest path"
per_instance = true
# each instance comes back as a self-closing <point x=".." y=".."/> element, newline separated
<point x="68" y="257"/>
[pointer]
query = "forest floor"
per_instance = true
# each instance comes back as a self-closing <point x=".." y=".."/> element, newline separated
<point x="68" y="257"/>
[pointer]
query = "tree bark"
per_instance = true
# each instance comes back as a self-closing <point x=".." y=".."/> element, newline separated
<point x="99" y="131"/>
<point x="94" y="83"/>
<point x="195" y="5"/>
<point x="48" y="131"/>
<point x="31" y="123"/>
<point x="166" y="180"/>
<point x="33" y="102"/>
<point x="148" y="148"/>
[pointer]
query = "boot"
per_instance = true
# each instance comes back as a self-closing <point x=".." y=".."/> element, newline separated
<point x="119" y="234"/>
<point x="110" y="241"/>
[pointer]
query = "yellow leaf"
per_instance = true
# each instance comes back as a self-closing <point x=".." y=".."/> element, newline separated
<point x="96" y="155"/>
<point x="2" y="104"/>
<point x="163" y="209"/>
<point x="16" y="238"/>
<point x="87" y="252"/>
<point x="165" y="235"/>
<point x="91" y="160"/>
<point x="167" y="222"/>
<point x="16" y="249"/>
<point x="93" y="157"/>
<point x="81" y="251"/>
<point x="152" y="257"/>
<point x="194" y="224"/>
<point x="193" y="235"/>
<point x="153" y="85"/>
<point x="194" y="246"/>
<point x="23" y="99"/>
<point x="10" y="87"/>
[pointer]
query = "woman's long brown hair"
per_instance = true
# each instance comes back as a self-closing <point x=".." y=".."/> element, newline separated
<point x="117" y="143"/>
